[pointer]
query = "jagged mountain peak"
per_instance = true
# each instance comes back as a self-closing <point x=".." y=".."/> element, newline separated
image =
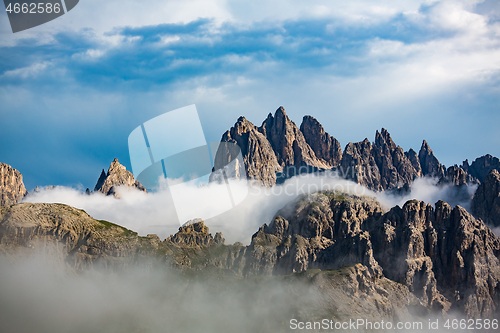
<point x="482" y="166"/>
<point x="436" y="251"/>
<point x="425" y="147"/>
<point x="384" y="138"/>
<point x="326" y="147"/>
<point x="486" y="201"/>
<point x="100" y="180"/>
<point x="288" y="142"/>
<point x="381" y="165"/>
<point x="430" y="164"/>
<point x="117" y="175"/>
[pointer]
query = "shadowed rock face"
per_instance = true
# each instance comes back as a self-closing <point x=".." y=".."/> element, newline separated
<point x="258" y="156"/>
<point x="326" y="147"/>
<point x="458" y="176"/>
<point x="486" y="201"/>
<point x="12" y="188"/>
<point x="117" y="175"/>
<point x="394" y="165"/>
<point x="317" y="232"/>
<point x="429" y="163"/>
<point x="441" y="251"/>
<point x="443" y="256"/>
<point x="381" y="166"/>
<point x="482" y="166"/>
<point x="446" y="257"/>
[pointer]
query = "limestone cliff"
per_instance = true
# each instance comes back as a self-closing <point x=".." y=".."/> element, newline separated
<point x="482" y="166"/>
<point x="443" y="258"/>
<point x="288" y="143"/>
<point x="258" y="156"/>
<point x="12" y="188"/>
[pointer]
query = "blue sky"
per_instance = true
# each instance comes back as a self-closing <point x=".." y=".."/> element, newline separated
<point x="73" y="89"/>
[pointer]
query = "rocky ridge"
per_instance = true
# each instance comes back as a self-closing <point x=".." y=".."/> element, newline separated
<point x="278" y="150"/>
<point x="12" y="188"/>
<point x="82" y="241"/>
<point x="326" y="147"/>
<point x="481" y="167"/>
<point x="446" y="257"/>
<point x="117" y="175"/>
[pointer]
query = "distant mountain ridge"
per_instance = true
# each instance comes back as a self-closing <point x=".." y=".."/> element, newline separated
<point x="278" y="150"/>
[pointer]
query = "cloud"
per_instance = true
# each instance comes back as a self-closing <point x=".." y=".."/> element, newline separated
<point x="40" y="293"/>
<point x="428" y="190"/>
<point x="159" y="213"/>
<point x="412" y="46"/>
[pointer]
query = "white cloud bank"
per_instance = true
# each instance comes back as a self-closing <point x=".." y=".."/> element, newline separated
<point x="156" y="212"/>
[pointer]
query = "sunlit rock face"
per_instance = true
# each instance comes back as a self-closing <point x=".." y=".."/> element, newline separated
<point x="12" y="188"/>
<point x="117" y="175"/>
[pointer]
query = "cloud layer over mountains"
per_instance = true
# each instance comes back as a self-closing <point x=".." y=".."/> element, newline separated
<point x="156" y="213"/>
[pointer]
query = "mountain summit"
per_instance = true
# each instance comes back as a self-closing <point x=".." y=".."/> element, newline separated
<point x="117" y="175"/>
<point x="278" y="150"/>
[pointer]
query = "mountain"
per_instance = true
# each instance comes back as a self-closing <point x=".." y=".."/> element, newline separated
<point x="354" y="258"/>
<point x="379" y="166"/>
<point x="259" y="158"/>
<point x="117" y="175"/>
<point x="85" y="245"/>
<point x="413" y="260"/>
<point x="278" y="150"/>
<point x="486" y="201"/>
<point x="12" y="188"/>
<point x="446" y="257"/>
